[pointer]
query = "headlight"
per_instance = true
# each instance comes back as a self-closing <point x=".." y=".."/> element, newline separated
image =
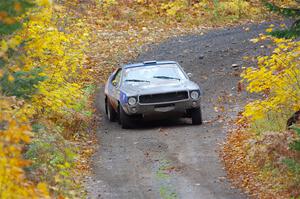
<point x="194" y="95"/>
<point x="132" y="101"/>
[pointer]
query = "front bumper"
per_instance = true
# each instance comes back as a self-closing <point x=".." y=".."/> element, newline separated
<point x="162" y="108"/>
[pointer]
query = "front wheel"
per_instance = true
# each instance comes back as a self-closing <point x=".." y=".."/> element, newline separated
<point x="111" y="113"/>
<point x="124" y="119"/>
<point x="196" y="116"/>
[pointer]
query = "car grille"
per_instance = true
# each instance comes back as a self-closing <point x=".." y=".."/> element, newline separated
<point x="164" y="97"/>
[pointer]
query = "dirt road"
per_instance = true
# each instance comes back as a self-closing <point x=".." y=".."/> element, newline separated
<point x="173" y="159"/>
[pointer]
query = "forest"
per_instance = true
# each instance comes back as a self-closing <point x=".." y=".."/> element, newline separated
<point x="55" y="53"/>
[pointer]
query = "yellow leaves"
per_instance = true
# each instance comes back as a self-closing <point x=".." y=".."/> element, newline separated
<point x="10" y="43"/>
<point x="108" y="3"/>
<point x="277" y="50"/>
<point x="279" y="40"/>
<point x="260" y="38"/>
<point x="282" y="25"/>
<point x="172" y="8"/>
<point x="43" y="2"/>
<point x="254" y="40"/>
<point x="3" y="46"/>
<point x="10" y="78"/>
<point x="58" y="8"/>
<point x="263" y="37"/>
<point x="235" y="7"/>
<point x="269" y="30"/>
<point x="61" y="55"/>
<point x="260" y="60"/>
<point x="13" y="135"/>
<point x="42" y="187"/>
<point x="276" y="79"/>
<point x="14" y="41"/>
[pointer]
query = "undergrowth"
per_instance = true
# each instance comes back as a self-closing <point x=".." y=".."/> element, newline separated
<point x="273" y="121"/>
<point x="262" y="152"/>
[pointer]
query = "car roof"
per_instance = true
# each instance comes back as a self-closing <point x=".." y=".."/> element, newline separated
<point x="148" y="63"/>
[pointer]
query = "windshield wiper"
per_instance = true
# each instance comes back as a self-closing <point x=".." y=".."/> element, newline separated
<point x="136" y="80"/>
<point x="165" y="77"/>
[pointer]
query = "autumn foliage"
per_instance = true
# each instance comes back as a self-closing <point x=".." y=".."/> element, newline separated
<point x="51" y="54"/>
<point x="277" y="79"/>
<point x="262" y="153"/>
<point x="13" y="183"/>
<point x="42" y="69"/>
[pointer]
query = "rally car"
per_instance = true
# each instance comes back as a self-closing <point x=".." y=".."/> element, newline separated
<point x="151" y="89"/>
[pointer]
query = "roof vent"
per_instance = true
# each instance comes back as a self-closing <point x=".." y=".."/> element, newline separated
<point x="149" y="62"/>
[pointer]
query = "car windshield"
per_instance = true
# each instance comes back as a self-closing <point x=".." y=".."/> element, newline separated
<point x="156" y="73"/>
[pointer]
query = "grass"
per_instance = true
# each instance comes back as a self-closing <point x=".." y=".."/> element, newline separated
<point x="166" y="192"/>
<point x="274" y="121"/>
<point x="160" y="173"/>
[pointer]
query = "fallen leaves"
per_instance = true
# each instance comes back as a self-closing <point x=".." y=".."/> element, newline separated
<point x="163" y="131"/>
<point x="248" y="159"/>
<point x="235" y="159"/>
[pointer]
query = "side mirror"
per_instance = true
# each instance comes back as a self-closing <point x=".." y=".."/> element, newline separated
<point x="190" y="75"/>
<point x="114" y="83"/>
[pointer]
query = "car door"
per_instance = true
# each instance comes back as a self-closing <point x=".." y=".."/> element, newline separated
<point x="114" y="88"/>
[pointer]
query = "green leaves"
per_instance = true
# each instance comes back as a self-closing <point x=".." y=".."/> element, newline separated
<point x="294" y="30"/>
<point x="24" y="83"/>
<point x="6" y="29"/>
<point x="9" y="11"/>
<point x="287" y="12"/>
<point x="52" y="157"/>
<point x="296" y="144"/>
<point x="297" y="130"/>
<point x="287" y="33"/>
<point x="292" y="165"/>
<point x="15" y="8"/>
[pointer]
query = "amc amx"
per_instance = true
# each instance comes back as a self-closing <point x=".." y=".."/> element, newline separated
<point x="151" y="89"/>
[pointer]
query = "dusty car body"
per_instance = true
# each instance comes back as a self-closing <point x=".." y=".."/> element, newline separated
<point x="151" y="88"/>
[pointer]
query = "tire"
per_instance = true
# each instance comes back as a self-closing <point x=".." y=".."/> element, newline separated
<point x="110" y="112"/>
<point x="196" y="116"/>
<point x="124" y="119"/>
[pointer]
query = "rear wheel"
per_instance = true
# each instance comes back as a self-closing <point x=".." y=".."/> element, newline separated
<point x="124" y="119"/>
<point x="196" y="116"/>
<point x="110" y="112"/>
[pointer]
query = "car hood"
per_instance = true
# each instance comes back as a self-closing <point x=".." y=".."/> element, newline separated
<point x="143" y="88"/>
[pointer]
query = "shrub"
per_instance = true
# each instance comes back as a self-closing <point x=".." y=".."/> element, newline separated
<point x="13" y="135"/>
<point x="277" y="81"/>
<point x="51" y="159"/>
<point x="23" y="84"/>
<point x="236" y="8"/>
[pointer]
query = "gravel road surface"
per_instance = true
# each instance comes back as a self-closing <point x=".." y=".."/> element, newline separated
<point x="173" y="159"/>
